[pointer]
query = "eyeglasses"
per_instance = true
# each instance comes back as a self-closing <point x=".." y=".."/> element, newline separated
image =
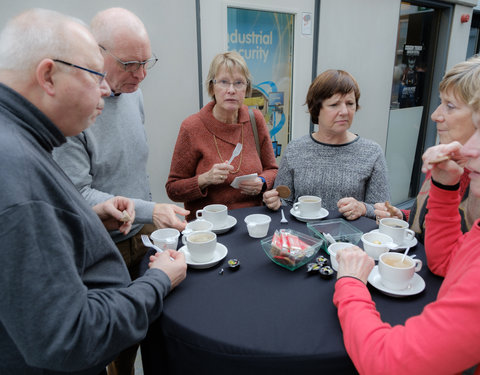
<point x="224" y="84"/>
<point x="133" y="66"/>
<point x="101" y="75"/>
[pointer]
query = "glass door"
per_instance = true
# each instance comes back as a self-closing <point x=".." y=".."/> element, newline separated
<point x="415" y="60"/>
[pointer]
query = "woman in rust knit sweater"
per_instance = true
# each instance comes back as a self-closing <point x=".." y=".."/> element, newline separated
<point x="199" y="172"/>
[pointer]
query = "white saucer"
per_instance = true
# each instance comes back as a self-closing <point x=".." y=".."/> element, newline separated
<point x="320" y="215"/>
<point x="231" y="221"/>
<point x="220" y="253"/>
<point x="416" y="286"/>
<point x="408" y="243"/>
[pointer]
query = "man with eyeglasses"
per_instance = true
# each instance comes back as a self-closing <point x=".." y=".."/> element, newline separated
<point x="67" y="302"/>
<point x="110" y="158"/>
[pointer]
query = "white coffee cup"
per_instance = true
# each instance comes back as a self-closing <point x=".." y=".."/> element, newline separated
<point x="217" y="214"/>
<point x="196" y="226"/>
<point x="201" y="246"/>
<point x="397" y="229"/>
<point x="166" y="238"/>
<point x="333" y="249"/>
<point x="308" y="205"/>
<point x="394" y="274"/>
<point x="257" y="225"/>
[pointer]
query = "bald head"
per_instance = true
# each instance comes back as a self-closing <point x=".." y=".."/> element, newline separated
<point x="124" y="39"/>
<point x="115" y="27"/>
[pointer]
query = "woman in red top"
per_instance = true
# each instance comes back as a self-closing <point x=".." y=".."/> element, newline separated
<point x="454" y="123"/>
<point x="199" y="174"/>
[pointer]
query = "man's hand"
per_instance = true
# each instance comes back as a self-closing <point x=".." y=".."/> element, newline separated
<point x="165" y="216"/>
<point x="172" y="263"/>
<point x="354" y="262"/>
<point x="272" y="200"/>
<point x="112" y="216"/>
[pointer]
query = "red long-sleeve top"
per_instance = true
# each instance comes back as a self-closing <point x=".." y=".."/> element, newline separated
<point x="196" y="152"/>
<point x="445" y="337"/>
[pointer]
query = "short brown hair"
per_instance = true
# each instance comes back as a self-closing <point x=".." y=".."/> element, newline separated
<point x="327" y="84"/>
<point x="229" y="60"/>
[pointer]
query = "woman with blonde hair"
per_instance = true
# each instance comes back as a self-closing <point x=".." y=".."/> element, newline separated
<point x="454" y="123"/>
<point x="200" y="173"/>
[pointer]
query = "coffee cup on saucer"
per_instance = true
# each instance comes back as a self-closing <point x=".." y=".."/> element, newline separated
<point x="217" y="214"/>
<point x="397" y="274"/>
<point x="196" y="226"/>
<point x="308" y="205"/>
<point x="397" y="229"/>
<point x="201" y="246"/>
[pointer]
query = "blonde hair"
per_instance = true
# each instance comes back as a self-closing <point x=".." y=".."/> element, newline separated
<point x="463" y="80"/>
<point x="230" y="60"/>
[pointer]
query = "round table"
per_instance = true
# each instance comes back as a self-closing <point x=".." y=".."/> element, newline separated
<point x="262" y="318"/>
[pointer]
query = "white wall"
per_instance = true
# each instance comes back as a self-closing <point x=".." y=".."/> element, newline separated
<point x="459" y="35"/>
<point x="361" y="40"/>
<point x="170" y="90"/>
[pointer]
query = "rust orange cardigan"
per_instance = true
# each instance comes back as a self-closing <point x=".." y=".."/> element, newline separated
<point x="195" y="153"/>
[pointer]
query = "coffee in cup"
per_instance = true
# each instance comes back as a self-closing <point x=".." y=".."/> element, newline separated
<point x="201" y="246"/>
<point x="308" y="205"/>
<point x="217" y="214"/>
<point x="196" y="226"/>
<point x="397" y="229"/>
<point x="396" y="274"/>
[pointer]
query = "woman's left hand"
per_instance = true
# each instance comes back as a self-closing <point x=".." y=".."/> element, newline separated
<point x="448" y="171"/>
<point x="351" y="208"/>
<point x="251" y="187"/>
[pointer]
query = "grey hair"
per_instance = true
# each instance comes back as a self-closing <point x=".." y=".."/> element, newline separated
<point x="33" y="36"/>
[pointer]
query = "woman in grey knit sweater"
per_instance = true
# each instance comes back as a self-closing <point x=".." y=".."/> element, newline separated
<point x="348" y="172"/>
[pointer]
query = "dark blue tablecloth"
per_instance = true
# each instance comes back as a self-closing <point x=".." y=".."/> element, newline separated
<point x="262" y="319"/>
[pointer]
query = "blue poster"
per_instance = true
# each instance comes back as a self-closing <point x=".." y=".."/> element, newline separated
<point x="265" y="40"/>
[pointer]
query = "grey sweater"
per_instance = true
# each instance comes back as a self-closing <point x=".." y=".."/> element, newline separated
<point x="357" y="169"/>
<point x="110" y="158"/>
<point x="67" y="302"/>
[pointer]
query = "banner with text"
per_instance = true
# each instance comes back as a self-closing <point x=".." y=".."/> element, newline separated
<point x="265" y="40"/>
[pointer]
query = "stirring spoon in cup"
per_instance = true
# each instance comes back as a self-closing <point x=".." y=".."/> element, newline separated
<point x="405" y="254"/>
<point x="236" y="152"/>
